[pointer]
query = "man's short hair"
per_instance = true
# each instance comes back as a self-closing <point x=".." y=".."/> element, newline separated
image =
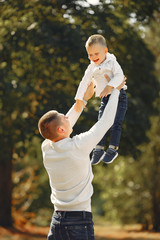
<point x="44" y="125"/>
<point x="96" y="39"/>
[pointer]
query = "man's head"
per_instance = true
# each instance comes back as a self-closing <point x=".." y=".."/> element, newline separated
<point x="96" y="48"/>
<point x="54" y="126"/>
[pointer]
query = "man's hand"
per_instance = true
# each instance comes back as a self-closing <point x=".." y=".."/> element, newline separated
<point x="107" y="78"/>
<point x="122" y="84"/>
<point x="107" y="90"/>
<point x="89" y="92"/>
<point x="79" y="105"/>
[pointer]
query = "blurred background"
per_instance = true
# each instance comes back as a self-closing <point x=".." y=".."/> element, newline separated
<point x="42" y="61"/>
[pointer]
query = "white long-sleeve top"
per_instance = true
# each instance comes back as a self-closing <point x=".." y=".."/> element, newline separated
<point x="68" y="165"/>
<point x="95" y="73"/>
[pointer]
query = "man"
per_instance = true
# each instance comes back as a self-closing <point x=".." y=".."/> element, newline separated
<point x="69" y="168"/>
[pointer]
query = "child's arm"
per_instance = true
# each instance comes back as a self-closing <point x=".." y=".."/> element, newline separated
<point x="118" y="75"/>
<point x="116" y="80"/>
<point x="85" y="82"/>
<point x="108" y="89"/>
<point x="74" y="115"/>
<point x="79" y="104"/>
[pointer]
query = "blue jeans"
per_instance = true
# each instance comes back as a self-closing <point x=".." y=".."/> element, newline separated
<point x="77" y="225"/>
<point x="116" y="129"/>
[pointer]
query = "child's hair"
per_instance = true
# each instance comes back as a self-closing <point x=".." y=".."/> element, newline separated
<point x="94" y="39"/>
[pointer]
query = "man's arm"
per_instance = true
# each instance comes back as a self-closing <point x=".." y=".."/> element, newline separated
<point x="72" y="114"/>
<point x="107" y="90"/>
<point x="88" y="140"/>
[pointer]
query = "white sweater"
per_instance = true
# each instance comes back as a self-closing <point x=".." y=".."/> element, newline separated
<point x="95" y="73"/>
<point x="68" y="164"/>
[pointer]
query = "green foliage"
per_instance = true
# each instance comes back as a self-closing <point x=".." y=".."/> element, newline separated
<point x="151" y="152"/>
<point x="142" y="11"/>
<point x="121" y="188"/>
<point x="150" y="162"/>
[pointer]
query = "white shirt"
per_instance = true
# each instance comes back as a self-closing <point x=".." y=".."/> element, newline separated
<point x="68" y="164"/>
<point x="95" y="73"/>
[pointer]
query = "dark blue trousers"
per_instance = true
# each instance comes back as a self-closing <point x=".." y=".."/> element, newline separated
<point x="116" y="129"/>
<point x="77" y="225"/>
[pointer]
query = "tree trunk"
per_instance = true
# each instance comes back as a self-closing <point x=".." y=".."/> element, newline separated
<point x="156" y="213"/>
<point x="156" y="191"/>
<point x="5" y="193"/>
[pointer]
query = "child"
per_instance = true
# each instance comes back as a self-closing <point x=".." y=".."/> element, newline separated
<point x="106" y="74"/>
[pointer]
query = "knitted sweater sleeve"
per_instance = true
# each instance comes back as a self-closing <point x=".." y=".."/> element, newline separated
<point x="73" y="115"/>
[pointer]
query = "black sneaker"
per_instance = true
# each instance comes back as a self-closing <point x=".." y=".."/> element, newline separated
<point x="110" y="155"/>
<point x="97" y="156"/>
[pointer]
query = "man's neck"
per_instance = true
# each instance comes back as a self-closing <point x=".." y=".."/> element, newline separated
<point x="60" y="138"/>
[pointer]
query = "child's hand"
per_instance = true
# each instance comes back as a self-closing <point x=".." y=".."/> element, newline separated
<point x="122" y="84"/>
<point x="107" y="90"/>
<point x="79" y="105"/>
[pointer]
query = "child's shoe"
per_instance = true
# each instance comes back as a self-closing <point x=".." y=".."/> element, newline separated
<point x="97" y="156"/>
<point x="110" y="155"/>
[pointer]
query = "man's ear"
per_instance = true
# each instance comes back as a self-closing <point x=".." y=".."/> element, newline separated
<point x="106" y="50"/>
<point x="60" y="130"/>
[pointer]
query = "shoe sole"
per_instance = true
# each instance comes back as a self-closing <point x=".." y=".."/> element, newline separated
<point x="111" y="160"/>
<point x="99" y="159"/>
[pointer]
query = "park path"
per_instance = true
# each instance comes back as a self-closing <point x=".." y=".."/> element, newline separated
<point x="101" y="232"/>
<point x="130" y="232"/>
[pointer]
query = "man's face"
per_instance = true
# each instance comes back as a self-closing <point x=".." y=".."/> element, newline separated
<point x="97" y="53"/>
<point x="64" y="122"/>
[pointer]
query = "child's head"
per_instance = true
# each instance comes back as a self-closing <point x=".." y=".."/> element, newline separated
<point x="96" y="48"/>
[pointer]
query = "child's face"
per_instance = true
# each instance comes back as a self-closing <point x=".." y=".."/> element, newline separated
<point x="97" y="53"/>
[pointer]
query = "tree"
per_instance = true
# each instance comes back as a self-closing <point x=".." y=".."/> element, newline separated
<point x="151" y="150"/>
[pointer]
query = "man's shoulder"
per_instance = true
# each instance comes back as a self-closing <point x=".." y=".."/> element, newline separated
<point x="45" y="144"/>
